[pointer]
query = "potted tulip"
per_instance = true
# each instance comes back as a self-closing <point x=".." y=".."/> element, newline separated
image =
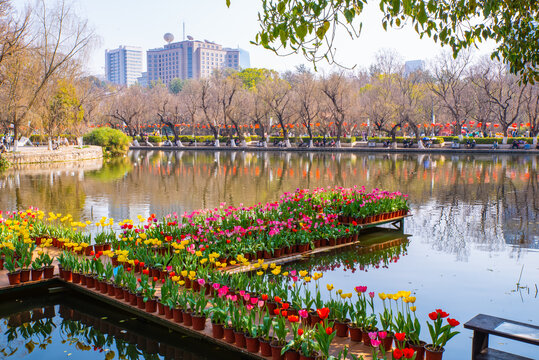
<point x="198" y="303"/>
<point x="280" y="330"/>
<point x="13" y="275"/>
<point x="440" y="334"/>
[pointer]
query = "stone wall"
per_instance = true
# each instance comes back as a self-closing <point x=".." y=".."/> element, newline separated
<point x="33" y="155"/>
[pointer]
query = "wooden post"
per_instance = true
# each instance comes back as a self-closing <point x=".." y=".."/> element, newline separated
<point x="479" y="343"/>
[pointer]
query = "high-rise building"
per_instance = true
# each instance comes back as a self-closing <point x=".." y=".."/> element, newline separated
<point x="192" y="59"/>
<point x="123" y="66"/>
<point x="413" y="66"/>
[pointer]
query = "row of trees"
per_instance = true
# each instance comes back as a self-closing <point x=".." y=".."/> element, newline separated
<point x="451" y="97"/>
<point x="43" y="90"/>
<point x="41" y="83"/>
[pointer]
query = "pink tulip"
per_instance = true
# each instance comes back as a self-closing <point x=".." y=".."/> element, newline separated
<point x="303" y="313"/>
<point x="371" y="294"/>
<point x="216" y="286"/>
<point x="382" y="335"/>
<point x="201" y="282"/>
<point x="375" y="343"/>
<point x="373" y="335"/>
<point x="254" y="300"/>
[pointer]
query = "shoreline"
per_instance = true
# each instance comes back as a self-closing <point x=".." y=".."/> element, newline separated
<point x="39" y="155"/>
<point x="343" y="150"/>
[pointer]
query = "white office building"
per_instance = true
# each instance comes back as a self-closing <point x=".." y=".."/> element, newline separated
<point x="123" y="66"/>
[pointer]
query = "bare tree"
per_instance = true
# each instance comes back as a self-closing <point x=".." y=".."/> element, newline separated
<point x="130" y="107"/>
<point x="451" y="87"/>
<point x="502" y="90"/>
<point x="277" y="94"/>
<point x="306" y="95"/>
<point x="341" y="95"/>
<point x="531" y="109"/>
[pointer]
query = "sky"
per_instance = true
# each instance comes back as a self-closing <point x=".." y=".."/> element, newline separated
<point x="144" y="22"/>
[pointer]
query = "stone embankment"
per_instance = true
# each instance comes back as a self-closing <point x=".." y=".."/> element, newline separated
<point x="36" y="155"/>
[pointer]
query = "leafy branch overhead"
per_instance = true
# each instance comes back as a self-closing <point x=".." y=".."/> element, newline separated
<point x="309" y="26"/>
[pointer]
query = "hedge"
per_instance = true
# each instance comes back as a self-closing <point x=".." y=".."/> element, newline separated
<point x="188" y="138"/>
<point x="486" y="140"/>
<point x="400" y="139"/>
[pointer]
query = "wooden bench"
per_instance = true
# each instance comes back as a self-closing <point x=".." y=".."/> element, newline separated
<point x="485" y="325"/>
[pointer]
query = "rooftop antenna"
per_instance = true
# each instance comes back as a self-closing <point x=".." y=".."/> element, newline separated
<point x="184" y="31"/>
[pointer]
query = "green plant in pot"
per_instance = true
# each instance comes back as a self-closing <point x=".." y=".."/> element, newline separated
<point x="440" y="334"/>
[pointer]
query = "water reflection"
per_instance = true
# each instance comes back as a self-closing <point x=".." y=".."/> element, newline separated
<point x="51" y="328"/>
<point x="487" y="201"/>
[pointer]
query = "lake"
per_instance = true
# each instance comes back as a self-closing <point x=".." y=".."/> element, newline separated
<point x="473" y="244"/>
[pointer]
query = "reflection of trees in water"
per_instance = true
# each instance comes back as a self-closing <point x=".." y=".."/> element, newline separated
<point x="458" y="200"/>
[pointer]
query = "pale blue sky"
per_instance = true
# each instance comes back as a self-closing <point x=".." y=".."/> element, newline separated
<point x="143" y="23"/>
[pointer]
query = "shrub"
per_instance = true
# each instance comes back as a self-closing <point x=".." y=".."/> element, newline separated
<point x="115" y="142"/>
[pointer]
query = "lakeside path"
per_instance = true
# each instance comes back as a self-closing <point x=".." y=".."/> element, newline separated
<point x="41" y="154"/>
<point x="381" y="150"/>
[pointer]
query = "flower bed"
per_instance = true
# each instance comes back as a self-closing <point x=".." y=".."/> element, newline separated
<point x="182" y="257"/>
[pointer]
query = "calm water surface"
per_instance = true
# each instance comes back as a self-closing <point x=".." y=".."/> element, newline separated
<point x="474" y="237"/>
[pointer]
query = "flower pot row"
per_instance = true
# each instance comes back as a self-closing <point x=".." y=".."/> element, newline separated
<point x="373" y="218"/>
<point x="24" y="275"/>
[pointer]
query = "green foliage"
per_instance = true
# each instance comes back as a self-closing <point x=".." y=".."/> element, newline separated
<point x="176" y="85"/>
<point x="64" y="109"/>
<point x="252" y="76"/>
<point x="486" y="140"/>
<point x="4" y="164"/>
<point x="400" y="139"/>
<point x="113" y="141"/>
<point x="308" y="26"/>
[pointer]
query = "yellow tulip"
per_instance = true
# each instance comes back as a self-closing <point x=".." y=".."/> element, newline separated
<point x="303" y="273"/>
<point x="382" y="296"/>
<point x="260" y="273"/>
<point x="339" y="291"/>
<point x="413" y="308"/>
<point x="329" y="287"/>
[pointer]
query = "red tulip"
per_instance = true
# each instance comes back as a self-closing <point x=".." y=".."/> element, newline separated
<point x="408" y="353"/>
<point x="397" y="353"/>
<point x="433" y="315"/>
<point x="329" y="330"/>
<point x="323" y="313"/>
<point x="300" y="332"/>
<point x="453" y="322"/>
<point x="286" y="306"/>
<point x="400" y="336"/>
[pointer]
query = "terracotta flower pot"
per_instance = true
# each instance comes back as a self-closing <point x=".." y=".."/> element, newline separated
<point x="342" y="328"/>
<point x="151" y="305"/>
<point x="305" y="357"/>
<point x="83" y="279"/>
<point x="133" y="299"/>
<point x="217" y="330"/>
<point x="90" y="282"/>
<point x="177" y="315"/>
<point x="104" y="287"/>
<point x="252" y="343"/>
<point x="48" y="272"/>
<point x="433" y="354"/>
<point x="118" y="292"/>
<point x="291" y="355"/>
<point x="239" y="338"/>
<point x="265" y="348"/>
<point x="419" y="349"/>
<point x="25" y="275"/>
<point x="199" y="322"/>
<point x="169" y="314"/>
<point x="140" y="302"/>
<point x="387" y="343"/>
<point x="228" y="333"/>
<point x="276" y="351"/>
<point x="366" y="338"/>
<point x="355" y="333"/>
<point x="161" y="308"/>
<point x="111" y="289"/>
<point x="14" y="277"/>
<point x="36" y="274"/>
<point x="187" y="318"/>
